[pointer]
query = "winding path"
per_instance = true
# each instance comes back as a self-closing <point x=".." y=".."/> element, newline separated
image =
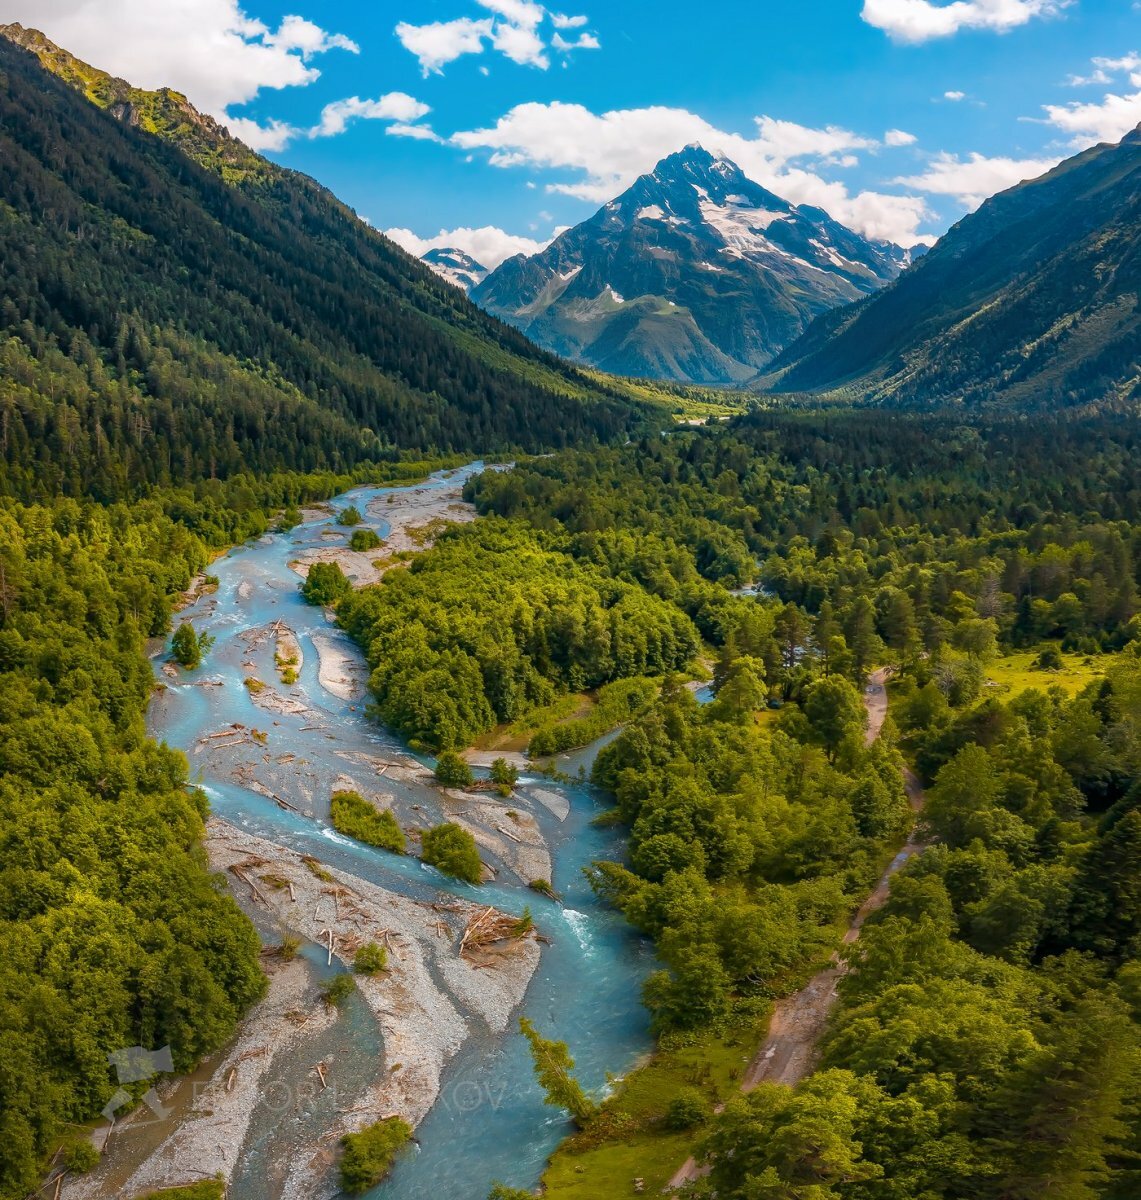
<point x="799" y="1021"/>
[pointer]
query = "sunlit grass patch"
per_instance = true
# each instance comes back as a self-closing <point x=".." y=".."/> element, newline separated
<point x="630" y="1139"/>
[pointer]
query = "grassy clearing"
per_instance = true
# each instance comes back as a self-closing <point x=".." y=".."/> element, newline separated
<point x="574" y="707"/>
<point x="616" y="703"/>
<point x="685" y="402"/>
<point x="629" y="1140"/>
<point x="1016" y="672"/>
<point x="207" y="1190"/>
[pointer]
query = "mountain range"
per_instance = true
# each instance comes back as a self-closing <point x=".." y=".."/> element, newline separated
<point x="1033" y="301"/>
<point x="694" y="274"/>
<point x="173" y="304"/>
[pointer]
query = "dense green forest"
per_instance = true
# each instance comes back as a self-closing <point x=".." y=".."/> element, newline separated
<point x="112" y="933"/>
<point x="907" y="536"/>
<point x="987" y="1044"/>
<point x="493" y="623"/>
<point x="746" y="847"/>
<point x="757" y="822"/>
<point x="174" y="307"/>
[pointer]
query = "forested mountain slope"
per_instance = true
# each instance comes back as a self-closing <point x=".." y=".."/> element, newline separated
<point x="1031" y="301"/>
<point x="172" y="305"/>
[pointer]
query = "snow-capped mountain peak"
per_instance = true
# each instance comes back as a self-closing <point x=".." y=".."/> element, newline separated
<point x="717" y="275"/>
<point x="457" y="267"/>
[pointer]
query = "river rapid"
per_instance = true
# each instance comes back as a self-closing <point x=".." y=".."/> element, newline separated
<point x="490" y="1122"/>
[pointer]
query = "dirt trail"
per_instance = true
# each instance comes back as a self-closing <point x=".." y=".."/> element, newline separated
<point x="799" y="1021"/>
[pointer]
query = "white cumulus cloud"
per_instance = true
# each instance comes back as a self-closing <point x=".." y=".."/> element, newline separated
<point x="1104" y="69"/>
<point x="921" y="20"/>
<point x="608" y="151"/>
<point x="267" y="138"/>
<point x="210" y="50"/>
<point x="296" y="33"/>
<point x="1108" y="121"/>
<point x="584" y="41"/>
<point x="516" y="29"/>
<point x="489" y="246"/>
<point x="442" y="42"/>
<point x="899" y="137"/>
<point x="521" y="44"/>
<point x="519" y="12"/>
<point x="1111" y="118"/>
<point x="396" y="106"/>
<point x="977" y="177"/>
<point x="420" y="133"/>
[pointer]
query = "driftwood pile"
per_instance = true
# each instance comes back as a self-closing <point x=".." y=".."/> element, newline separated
<point x="489" y="928"/>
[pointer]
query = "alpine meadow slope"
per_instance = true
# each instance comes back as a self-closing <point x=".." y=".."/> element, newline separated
<point x="696" y="274"/>
<point x="1033" y="301"/>
<point x="212" y="313"/>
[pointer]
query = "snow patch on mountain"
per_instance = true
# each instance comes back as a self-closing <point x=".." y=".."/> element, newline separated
<point x="740" y="225"/>
<point x="457" y="267"/>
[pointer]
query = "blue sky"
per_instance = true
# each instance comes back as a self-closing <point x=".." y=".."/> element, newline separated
<point x="896" y="115"/>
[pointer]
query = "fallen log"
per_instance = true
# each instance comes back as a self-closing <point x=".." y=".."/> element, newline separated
<point x="239" y="874"/>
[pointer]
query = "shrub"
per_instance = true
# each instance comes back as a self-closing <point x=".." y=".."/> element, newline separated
<point x="355" y="817"/>
<point x="370" y="959"/>
<point x="289" y="519"/>
<point x="452" y="850"/>
<point x="504" y="774"/>
<point x="1049" y="660"/>
<point x="317" y="869"/>
<point x="337" y="990"/>
<point x="364" y="540"/>
<point x="369" y="1155"/>
<point x="210" y="1189"/>
<point x="325" y="584"/>
<point x="188" y="647"/>
<point x="452" y="771"/>
<point x="349" y="516"/>
<point x="688" y="1109"/>
<point x="289" y="948"/>
<point x="81" y="1157"/>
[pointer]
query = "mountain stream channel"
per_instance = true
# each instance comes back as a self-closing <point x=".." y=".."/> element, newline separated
<point x="435" y="1038"/>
